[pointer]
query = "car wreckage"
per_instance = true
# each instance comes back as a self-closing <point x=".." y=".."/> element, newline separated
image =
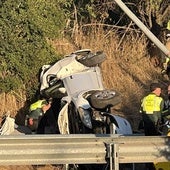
<point x="83" y="104"/>
<point x="76" y="80"/>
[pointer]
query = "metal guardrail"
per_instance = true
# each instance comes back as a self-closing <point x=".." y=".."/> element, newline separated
<point x="144" y="149"/>
<point x="52" y="149"/>
<point x="82" y="149"/>
<point x="139" y="149"/>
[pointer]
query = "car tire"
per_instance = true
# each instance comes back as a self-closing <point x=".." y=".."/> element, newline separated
<point x="104" y="98"/>
<point x="91" y="60"/>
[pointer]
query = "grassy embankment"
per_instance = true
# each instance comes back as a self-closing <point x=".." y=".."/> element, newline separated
<point x="127" y="69"/>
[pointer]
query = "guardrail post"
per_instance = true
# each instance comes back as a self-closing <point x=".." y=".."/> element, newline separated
<point x="116" y="156"/>
<point x="112" y="155"/>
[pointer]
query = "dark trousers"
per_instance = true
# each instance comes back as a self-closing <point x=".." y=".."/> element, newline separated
<point x="150" y="129"/>
<point x="150" y="124"/>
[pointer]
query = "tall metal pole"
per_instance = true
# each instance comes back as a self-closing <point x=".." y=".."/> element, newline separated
<point x="150" y="35"/>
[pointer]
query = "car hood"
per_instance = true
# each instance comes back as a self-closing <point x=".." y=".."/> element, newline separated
<point x="61" y="69"/>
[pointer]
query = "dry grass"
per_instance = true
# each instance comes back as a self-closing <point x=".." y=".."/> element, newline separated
<point x="127" y="69"/>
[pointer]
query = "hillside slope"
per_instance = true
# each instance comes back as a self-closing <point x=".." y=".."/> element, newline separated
<point x="127" y="69"/>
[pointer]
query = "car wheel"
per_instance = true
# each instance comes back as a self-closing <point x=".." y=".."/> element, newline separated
<point x="82" y="52"/>
<point x="91" y="60"/>
<point x="104" y="98"/>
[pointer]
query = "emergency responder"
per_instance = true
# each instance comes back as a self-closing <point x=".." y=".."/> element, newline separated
<point x="166" y="112"/>
<point x="167" y="59"/>
<point x="36" y="111"/>
<point x="151" y="108"/>
<point x="167" y="101"/>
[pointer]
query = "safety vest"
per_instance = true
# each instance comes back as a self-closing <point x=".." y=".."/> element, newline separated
<point x="151" y="104"/>
<point x="37" y="105"/>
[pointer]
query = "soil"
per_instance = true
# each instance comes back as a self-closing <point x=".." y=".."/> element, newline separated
<point x="29" y="167"/>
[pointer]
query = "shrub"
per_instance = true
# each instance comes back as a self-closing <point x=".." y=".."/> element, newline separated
<point x="25" y="26"/>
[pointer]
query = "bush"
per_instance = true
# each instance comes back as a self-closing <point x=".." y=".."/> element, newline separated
<point x="25" y="26"/>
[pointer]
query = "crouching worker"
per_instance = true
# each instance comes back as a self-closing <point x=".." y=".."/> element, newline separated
<point x="36" y="111"/>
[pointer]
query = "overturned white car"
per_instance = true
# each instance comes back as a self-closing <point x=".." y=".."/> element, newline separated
<point x="85" y="103"/>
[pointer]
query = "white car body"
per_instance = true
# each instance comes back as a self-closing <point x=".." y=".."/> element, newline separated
<point x="78" y="80"/>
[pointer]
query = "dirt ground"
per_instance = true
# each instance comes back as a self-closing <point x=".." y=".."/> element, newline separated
<point x="29" y="167"/>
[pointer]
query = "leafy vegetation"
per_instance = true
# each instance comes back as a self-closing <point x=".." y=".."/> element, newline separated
<point x="25" y="26"/>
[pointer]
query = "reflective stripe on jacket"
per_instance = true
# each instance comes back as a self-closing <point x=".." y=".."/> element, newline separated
<point x="37" y="105"/>
<point x="151" y="104"/>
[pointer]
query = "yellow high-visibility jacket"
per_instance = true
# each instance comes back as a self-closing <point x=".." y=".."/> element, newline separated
<point x="152" y="103"/>
<point x="37" y="105"/>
